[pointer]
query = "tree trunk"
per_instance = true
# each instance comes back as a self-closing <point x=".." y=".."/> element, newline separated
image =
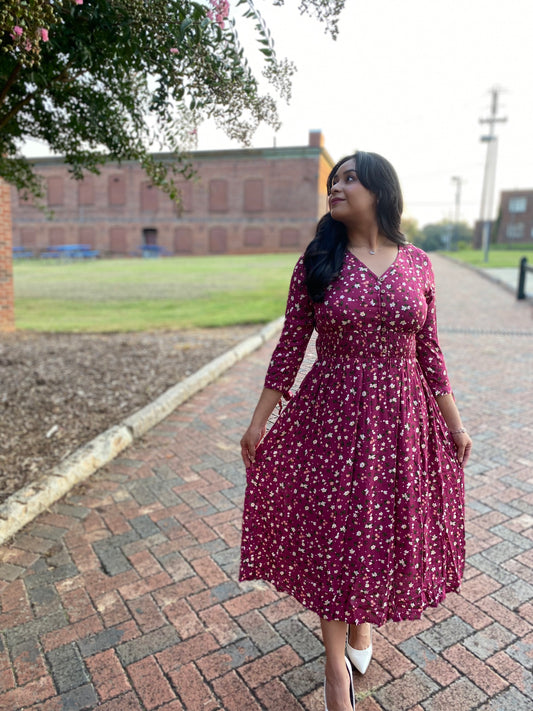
<point x="7" y="310"/>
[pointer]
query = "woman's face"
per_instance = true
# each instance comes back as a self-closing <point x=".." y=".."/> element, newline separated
<point x="349" y="201"/>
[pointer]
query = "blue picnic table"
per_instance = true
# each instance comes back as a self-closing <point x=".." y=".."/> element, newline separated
<point x="21" y="252"/>
<point x="70" y="251"/>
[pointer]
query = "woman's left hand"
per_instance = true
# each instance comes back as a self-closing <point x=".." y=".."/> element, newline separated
<point x="463" y="444"/>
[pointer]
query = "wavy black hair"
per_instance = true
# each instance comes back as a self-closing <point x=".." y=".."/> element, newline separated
<point x="324" y="255"/>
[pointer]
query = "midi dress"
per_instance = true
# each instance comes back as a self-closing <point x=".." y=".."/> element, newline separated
<point x="355" y="502"/>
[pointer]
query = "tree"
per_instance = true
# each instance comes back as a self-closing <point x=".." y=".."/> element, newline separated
<point x="411" y="229"/>
<point x="103" y="79"/>
<point x="443" y="234"/>
<point x="111" y="79"/>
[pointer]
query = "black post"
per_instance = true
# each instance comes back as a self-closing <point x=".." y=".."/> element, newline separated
<point x="521" y="294"/>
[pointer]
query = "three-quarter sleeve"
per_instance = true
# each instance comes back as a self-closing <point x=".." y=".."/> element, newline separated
<point x="428" y="350"/>
<point x="297" y="329"/>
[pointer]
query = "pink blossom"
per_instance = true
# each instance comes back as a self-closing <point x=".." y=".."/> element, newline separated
<point x="78" y="2"/>
<point x="44" y="34"/>
<point x="219" y="13"/>
<point x="174" y="50"/>
<point x="17" y="30"/>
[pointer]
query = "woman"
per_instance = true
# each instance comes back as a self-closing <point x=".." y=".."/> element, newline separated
<point x="355" y="497"/>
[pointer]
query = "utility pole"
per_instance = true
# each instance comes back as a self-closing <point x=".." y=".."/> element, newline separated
<point x="458" y="185"/>
<point x="487" y="195"/>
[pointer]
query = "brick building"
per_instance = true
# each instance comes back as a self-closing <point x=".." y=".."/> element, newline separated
<point x="250" y="200"/>
<point x="515" y="220"/>
<point x="7" y="317"/>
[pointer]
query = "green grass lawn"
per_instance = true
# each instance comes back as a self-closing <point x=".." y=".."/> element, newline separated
<point x="497" y="257"/>
<point x="149" y="294"/>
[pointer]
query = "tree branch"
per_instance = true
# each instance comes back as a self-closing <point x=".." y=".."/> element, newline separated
<point x="62" y="76"/>
<point x="9" y="83"/>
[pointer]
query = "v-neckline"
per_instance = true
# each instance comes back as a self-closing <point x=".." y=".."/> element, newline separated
<point x="377" y="276"/>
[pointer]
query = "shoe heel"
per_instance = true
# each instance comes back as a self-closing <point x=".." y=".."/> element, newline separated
<point x="352" y="691"/>
<point x="360" y="658"/>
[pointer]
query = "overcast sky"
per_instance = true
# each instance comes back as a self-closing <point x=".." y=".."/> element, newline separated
<point x="410" y="79"/>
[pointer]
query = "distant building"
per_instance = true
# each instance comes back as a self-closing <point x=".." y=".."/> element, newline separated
<point x="242" y="201"/>
<point x="515" y="223"/>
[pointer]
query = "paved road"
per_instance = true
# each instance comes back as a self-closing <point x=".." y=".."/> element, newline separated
<point x="124" y="595"/>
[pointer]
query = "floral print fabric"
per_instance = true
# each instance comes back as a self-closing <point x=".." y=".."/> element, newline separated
<point x="355" y="502"/>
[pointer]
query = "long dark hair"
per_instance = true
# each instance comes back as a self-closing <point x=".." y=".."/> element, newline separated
<point x="324" y="256"/>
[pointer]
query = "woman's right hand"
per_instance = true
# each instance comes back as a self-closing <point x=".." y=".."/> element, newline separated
<point x="249" y="442"/>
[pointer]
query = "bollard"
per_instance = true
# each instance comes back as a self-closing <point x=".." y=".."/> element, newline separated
<point x="521" y="293"/>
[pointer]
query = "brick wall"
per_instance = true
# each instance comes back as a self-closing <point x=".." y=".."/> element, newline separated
<point x="7" y="314"/>
<point x="242" y="201"/>
<point x="516" y="217"/>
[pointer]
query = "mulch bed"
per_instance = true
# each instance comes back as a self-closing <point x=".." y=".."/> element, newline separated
<point x="58" y="391"/>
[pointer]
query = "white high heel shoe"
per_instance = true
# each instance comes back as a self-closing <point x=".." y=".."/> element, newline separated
<point x="352" y="692"/>
<point x="360" y="658"/>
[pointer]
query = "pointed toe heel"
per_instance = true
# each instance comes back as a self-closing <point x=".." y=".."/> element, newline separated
<point x="360" y="658"/>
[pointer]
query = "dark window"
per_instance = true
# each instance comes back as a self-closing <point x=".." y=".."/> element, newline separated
<point x="149" y="235"/>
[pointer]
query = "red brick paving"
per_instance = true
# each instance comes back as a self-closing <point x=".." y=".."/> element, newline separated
<point x="131" y="580"/>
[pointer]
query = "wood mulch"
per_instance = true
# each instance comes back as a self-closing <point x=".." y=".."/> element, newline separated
<point x="58" y="391"/>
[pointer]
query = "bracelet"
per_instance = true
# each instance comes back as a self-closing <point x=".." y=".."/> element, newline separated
<point x="462" y="430"/>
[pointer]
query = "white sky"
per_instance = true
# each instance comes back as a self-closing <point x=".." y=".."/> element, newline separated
<point x="410" y="79"/>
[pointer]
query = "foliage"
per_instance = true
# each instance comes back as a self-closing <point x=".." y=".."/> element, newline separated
<point x="100" y="79"/>
<point x="411" y="229"/>
<point x="24" y="26"/>
<point x="442" y="234"/>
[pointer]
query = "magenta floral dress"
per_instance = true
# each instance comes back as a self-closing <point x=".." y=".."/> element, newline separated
<point x="355" y="502"/>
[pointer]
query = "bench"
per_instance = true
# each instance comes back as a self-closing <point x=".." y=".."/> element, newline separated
<point x="22" y="253"/>
<point x="151" y="250"/>
<point x="70" y="251"/>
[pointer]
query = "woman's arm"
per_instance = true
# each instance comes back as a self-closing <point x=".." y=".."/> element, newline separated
<point x="297" y="329"/>
<point x="285" y="362"/>
<point x="256" y="431"/>
<point x="452" y="418"/>
<point x="432" y="362"/>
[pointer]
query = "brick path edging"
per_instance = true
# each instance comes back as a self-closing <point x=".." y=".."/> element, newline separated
<point x="27" y="503"/>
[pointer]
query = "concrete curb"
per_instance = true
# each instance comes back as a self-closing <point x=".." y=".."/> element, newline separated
<point x="27" y="503"/>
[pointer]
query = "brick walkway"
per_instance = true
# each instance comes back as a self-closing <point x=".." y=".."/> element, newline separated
<point x="124" y="595"/>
